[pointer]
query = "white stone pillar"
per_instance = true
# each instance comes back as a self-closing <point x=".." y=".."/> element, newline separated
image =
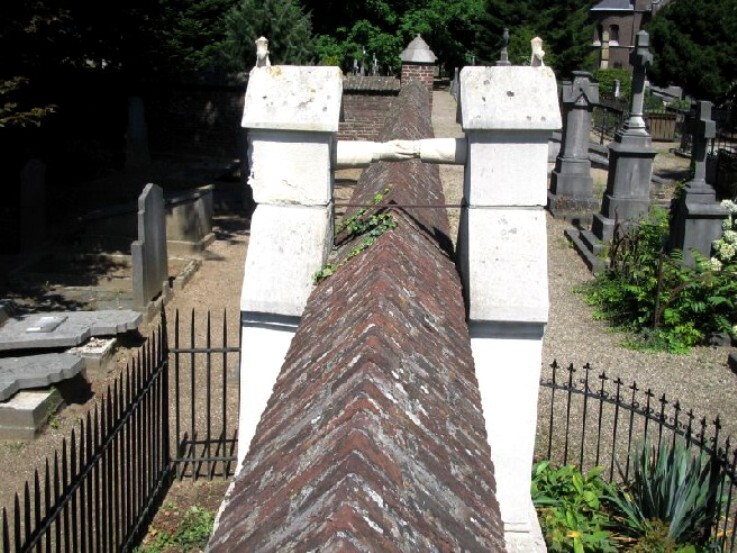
<point x="508" y="114"/>
<point x="291" y="114"/>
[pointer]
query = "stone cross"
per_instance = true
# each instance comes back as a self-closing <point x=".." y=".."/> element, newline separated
<point x="504" y="57"/>
<point x="640" y="58"/>
<point x="702" y="128"/>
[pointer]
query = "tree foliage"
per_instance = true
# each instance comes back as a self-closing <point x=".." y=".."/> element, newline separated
<point x="283" y="22"/>
<point x="564" y="27"/>
<point x="693" y="45"/>
<point x="383" y="28"/>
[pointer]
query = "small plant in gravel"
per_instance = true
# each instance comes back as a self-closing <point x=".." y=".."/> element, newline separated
<point x="191" y="534"/>
<point x="664" y="305"/>
<point x="571" y="509"/>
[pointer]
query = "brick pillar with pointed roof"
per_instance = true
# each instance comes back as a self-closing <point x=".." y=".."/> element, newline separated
<point x="418" y="64"/>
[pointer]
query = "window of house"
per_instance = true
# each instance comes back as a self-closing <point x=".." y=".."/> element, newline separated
<point x="614" y="35"/>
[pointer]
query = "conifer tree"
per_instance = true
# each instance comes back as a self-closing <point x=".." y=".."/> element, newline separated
<point x="283" y="22"/>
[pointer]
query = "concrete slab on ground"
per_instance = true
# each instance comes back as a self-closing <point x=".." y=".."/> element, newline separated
<point x="64" y="329"/>
<point x="36" y="371"/>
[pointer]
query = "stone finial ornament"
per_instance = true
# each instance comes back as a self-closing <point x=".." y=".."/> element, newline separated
<point x="536" y="60"/>
<point x="262" y="52"/>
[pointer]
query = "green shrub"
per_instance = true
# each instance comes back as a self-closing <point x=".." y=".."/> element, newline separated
<point x="665" y="305"/>
<point x="606" y="78"/>
<point x="672" y="489"/>
<point x="570" y="506"/>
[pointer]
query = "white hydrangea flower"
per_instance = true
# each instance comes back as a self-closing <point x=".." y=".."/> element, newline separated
<point x="716" y="265"/>
<point x="730" y="205"/>
<point x="730" y="236"/>
<point x="726" y="251"/>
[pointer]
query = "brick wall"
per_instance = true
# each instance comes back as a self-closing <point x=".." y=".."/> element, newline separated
<point x="364" y="114"/>
<point x="366" y="103"/>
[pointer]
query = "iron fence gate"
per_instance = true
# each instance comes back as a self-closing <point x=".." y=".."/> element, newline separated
<point x="206" y="394"/>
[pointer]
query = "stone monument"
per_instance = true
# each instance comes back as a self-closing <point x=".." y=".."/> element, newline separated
<point x="627" y="196"/>
<point x="504" y="55"/>
<point x="698" y="217"/>
<point x="571" y="192"/>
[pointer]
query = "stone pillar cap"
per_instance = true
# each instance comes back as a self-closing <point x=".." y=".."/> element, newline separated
<point x="287" y="97"/>
<point x="509" y="98"/>
<point x="418" y="52"/>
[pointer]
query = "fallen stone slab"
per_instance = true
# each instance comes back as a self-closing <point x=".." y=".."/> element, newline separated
<point x="64" y="329"/>
<point x="23" y="416"/>
<point x="36" y="371"/>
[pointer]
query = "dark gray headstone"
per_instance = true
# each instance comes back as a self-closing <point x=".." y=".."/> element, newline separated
<point x="136" y="153"/>
<point x="571" y="184"/>
<point x="149" y="253"/>
<point x="697" y="218"/>
<point x="627" y="196"/>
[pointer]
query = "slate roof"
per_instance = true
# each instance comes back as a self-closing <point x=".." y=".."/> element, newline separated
<point x="373" y="439"/>
<point x="418" y="51"/>
<point x="613" y="5"/>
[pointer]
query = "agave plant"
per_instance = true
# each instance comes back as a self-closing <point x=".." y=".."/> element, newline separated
<point x="672" y="485"/>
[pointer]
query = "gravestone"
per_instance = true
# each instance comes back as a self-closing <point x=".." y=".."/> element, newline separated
<point x="627" y="196"/>
<point x="504" y="55"/>
<point x="571" y="185"/>
<point x="698" y="217"/>
<point x="148" y="253"/>
<point x="33" y="204"/>
<point x="64" y="329"/>
<point x="36" y="371"/>
<point x="136" y="152"/>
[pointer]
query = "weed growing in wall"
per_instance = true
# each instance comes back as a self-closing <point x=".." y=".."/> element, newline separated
<point x="366" y="225"/>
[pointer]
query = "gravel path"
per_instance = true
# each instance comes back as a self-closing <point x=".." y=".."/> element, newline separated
<point x="701" y="380"/>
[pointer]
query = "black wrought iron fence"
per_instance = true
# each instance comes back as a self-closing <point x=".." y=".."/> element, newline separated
<point x="205" y="396"/>
<point x="606" y="119"/>
<point x="99" y="490"/>
<point x="589" y="419"/>
<point x="96" y="493"/>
